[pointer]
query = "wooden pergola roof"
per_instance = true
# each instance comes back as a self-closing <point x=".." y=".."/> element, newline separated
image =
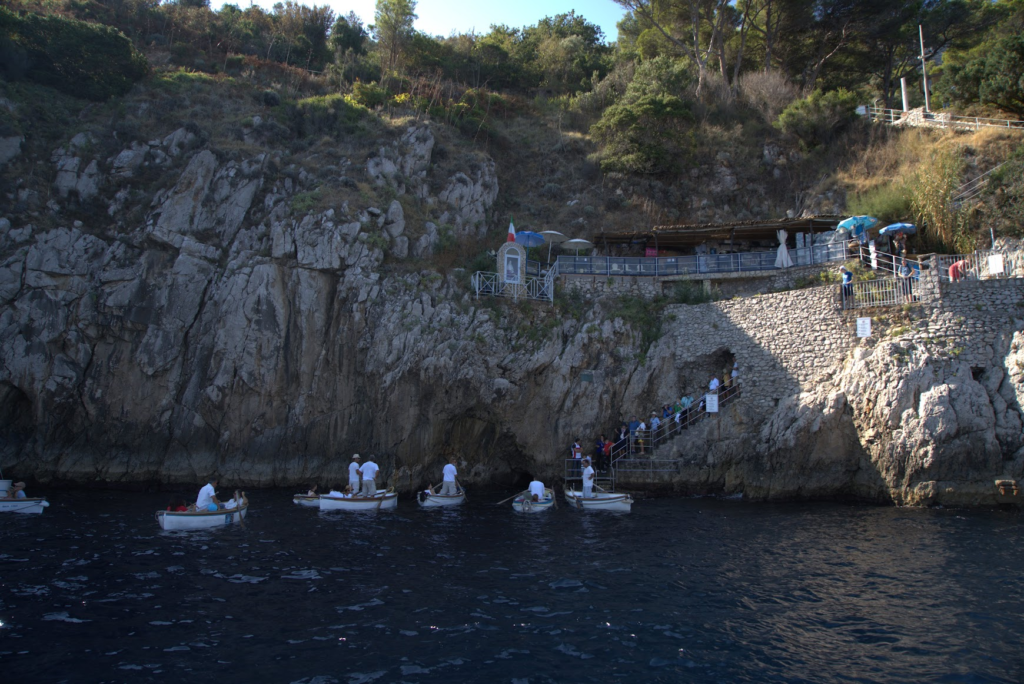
<point x="692" y="235"/>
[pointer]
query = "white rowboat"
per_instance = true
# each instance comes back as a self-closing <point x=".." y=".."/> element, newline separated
<point x="202" y="520"/>
<point x="306" y="500"/>
<point x="434" y="500"/>
<point x="524" y="503"/>
<point x="600" y="501"/>
<point x="383" y="501"/>
<point x="23" y="505"/>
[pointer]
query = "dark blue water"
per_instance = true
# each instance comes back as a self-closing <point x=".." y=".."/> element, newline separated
<point x="678" y="590"/>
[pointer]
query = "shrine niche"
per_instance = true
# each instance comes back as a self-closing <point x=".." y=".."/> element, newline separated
<point x="512" y="264"/>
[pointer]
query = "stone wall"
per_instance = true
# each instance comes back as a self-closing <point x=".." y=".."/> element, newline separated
<point x="783" y="342"/>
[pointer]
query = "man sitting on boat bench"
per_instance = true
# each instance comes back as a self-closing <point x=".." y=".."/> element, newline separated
<point x="536" y="490"/>
<point x="207" y="500"/>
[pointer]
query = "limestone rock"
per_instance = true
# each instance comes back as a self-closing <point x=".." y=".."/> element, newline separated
<point x="471" y="196"/>
<point x="10" y="147"/>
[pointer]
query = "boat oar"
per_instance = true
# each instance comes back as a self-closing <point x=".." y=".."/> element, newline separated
<point x="464" y="497"/>
<point x="382" y="497"/>
<point x="509" y="498"/>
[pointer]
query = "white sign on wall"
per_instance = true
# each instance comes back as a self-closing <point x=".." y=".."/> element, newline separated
<point x="995" y="264"/>
<point x="863" y="327"/>
<point x="711" y="403"/>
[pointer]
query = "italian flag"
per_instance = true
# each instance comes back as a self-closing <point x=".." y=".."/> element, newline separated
<point x="511" y="231"/>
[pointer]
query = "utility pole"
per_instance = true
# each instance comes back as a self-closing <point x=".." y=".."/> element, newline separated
<point x="924" y="71"/>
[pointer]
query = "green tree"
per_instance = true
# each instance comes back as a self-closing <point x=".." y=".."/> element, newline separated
<point x="85" y="60"/>
<point x="649" y="130"/>
<point x="817" y="118"/>
<point x="393" y="30"/>
<point x="993" y="77"/>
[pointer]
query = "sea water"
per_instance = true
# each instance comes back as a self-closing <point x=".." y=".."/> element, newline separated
<point x="679" y="590"/>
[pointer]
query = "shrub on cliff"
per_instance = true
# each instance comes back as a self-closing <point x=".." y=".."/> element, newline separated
<point x="327" y="115"/>
<point x="77" y="58"/>
<point x="817" y="118"/>
<point x="649" y="130"/>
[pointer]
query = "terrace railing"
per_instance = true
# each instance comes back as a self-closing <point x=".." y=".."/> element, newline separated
<point x="937" y="119"/>
<point x="697" y="265"/>
<point x="490" y="284"/>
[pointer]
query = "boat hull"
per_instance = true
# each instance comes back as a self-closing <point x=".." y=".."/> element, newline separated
<point x="201" y="521"/>
<point x="360" y="503"/>
<point x="437" y="500"/>
<point x="523" y="504"/>
<point x="601" y="501"/>
<point x="23" y="505"/>
<point x="308" y="501"/>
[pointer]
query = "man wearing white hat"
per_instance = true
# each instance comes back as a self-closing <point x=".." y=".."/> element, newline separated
<point x="588" y="479"/>
<point x="354" y="473"/>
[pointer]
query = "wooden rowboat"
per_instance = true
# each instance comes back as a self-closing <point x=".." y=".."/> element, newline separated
<point x="306" y="500"/>
<point x="523" y="502"/>
<point x="202" y="520"/>
<point x="600" y="501"/>
<point x="432" y="500"/>
<point x="35" y="505"/>
<point x="382" y="501"/>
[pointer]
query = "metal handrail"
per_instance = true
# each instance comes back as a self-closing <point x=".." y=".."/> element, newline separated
<point x="893" y="116"/>
<point x="973" y="187"/>
<point x="491" y="284"/>
<point x="697" y="264"/>
<point x="980" y="265"/>
<point x="669" y="428"/>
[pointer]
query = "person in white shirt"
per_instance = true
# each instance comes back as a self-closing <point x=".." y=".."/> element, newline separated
<point x="369" y="471"/>
<point x="17" y="491"/>
<point x="448" y="487"/>
<point x="713" y="385"/>
<point x="735" y="373"/>
<point x="641" y="435"/>
<point x="233" y="503"/>
<point x="588" y="479"/>
<point x="353" y="473"/>
<point x="207" y="499"/>
<point x="537" y="490"/>
<point x="336" y="493"/>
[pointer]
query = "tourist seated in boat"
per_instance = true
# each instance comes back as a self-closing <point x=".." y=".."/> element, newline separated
<point x="448" y="487"/>
<point x="338" y="493"/>
<point x="177" y="506"/>
<point x="312" y="491"/>
<point x="348" y="493"/>
<point x="536" y="490"/>
<point x="207" y="499"/>
<point x="17" y="491"/>
<point x="233" y="503"/>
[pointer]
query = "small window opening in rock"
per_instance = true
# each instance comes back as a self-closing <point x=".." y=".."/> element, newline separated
<point x="977" y="372"/>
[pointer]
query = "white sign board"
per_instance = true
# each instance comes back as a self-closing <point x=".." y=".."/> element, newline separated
<point x="711" y="403"/>
<point x="863" y="327"/>
<point x="995" y="264"/>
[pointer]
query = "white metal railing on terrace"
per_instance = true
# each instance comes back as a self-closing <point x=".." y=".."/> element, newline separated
<point x="917" y="117"/>
<point x="981" y="265"/>
<point x="879" y="292"/>
<point x="696" y="264"/>
<point x="542" y="289"/>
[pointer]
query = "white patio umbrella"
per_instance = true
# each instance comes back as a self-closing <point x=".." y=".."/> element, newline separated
<point x="783" y="260"/>
<point x="551" y="237"/>
<point x="577" y="244"/>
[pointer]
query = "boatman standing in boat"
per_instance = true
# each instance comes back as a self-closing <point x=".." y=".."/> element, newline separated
<point x="207" y="500"/>
<point x="369" y="471"/>
<point x="448" y="486"/>
<point x="588" y="479"/>
<point x="354" y="473"/>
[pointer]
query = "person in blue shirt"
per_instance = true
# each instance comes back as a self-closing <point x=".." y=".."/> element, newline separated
<point x="847" y="282"/>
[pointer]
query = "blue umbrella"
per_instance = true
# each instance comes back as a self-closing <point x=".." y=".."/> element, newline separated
<point x="893" y="228"/>
<point x="528" y="238"/>
<point x="857" y="224"/>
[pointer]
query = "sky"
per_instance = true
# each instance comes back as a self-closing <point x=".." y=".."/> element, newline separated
<point x="442" y="17"/>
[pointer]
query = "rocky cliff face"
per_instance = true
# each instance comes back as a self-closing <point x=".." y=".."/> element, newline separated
<point x="223" y="327"/>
